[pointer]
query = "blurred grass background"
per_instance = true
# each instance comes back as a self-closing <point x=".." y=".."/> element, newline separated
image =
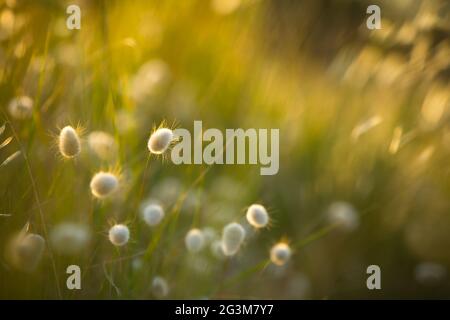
<point x="310" y="68"/>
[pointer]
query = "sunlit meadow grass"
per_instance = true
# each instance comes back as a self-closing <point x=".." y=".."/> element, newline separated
<point x="364" y="149"/>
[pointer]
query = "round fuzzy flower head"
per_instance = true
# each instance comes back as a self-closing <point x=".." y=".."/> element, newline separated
<point x="152" y="214"/>
<point x="119" y="235"/>
<point x="232" y="237"/>
<point x="257" y="216"/>
<point x="194" y="240"/>
<point x="26" y="250"/>
<point x="160" y="140"/>
<point x="21" y="107"/>
<point x="68" y="142"/>
<point x="160" y="288"/>
<point x="280" y="253"/>
<point x="104" y="184"/>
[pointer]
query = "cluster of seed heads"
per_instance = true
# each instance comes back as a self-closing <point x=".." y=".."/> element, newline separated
<point x="104" y="184"/>
<point x="233" y="236"/>
<point x="71" y="238"/>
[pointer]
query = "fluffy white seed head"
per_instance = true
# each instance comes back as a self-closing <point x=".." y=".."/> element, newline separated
<point x="103" y="184"/>
<point x="280" y="253"/>
<point x="160" y="288"/>
<point x="232" y="237"/>
<point x="26" y="251"/>
<point x="21" y="107"/>
<point x="194" y="240"/>
<point x="152" y="214"/>
<point x="257" y="216"/>
<point x="160" y="140"/>
<point x="102" y="144"/>
<point x="69" y="142"/>
<point x="69" y="238"/>
<point x="344" y="215"/>
<point x="119" y="235"/>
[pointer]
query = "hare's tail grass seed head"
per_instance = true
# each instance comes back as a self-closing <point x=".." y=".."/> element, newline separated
<point x="119" y="235"/>
<point x="161" y="139"/>
<point x="257" y="216"/>
<point x="21" y="108"/>
<point x="160" y="288"/>
<point x="25" y="251"/>
<point x="152" y="214"/>
<point x="68" y="142"/>
<point x="233" y="236"/>
<point x="280" y="253"/>
<point x="194" y="240"/>
<point x="103" y="184"/>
